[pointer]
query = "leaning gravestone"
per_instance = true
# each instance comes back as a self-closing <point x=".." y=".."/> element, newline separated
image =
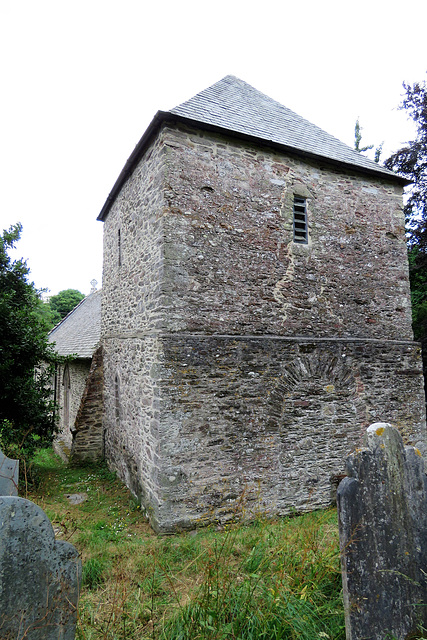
<point x="382" y="509"/>
<point x="9" y="469"/>
<point x="39" y="577"/>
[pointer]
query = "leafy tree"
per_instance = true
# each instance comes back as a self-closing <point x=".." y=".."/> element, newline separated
<point x="64" y="302"/>
<point x="411" y="163"/>
<point x="418" y="281"/>
<point x="26" y="407"/>
<point x="358" y="140"/>
<point x="378" y="152"/>
<point x="50" y="317"/>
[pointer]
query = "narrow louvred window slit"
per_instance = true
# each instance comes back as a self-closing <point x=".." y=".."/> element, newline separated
<point x="300" y="220"/>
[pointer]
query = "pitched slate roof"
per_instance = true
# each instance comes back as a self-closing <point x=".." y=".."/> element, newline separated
<point x="79" y="332"/>
<point x="233" y="106"/>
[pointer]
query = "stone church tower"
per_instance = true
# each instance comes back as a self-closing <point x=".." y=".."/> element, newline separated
<point x="256" y="311"/>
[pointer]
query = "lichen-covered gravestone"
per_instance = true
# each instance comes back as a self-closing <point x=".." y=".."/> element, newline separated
<point x="39" y="577"/>
<point x="382" y="508"/>
<point x="9" y="469"/>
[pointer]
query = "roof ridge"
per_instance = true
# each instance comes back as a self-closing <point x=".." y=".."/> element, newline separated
<point x="61" y="345"/>
<point x="73" y="309"/>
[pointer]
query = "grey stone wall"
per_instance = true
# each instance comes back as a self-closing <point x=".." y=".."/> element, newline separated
<point x="133" y="281"/>
<point x="230" y="262"/>
<point x="272" y="419"/>
<point x="79" y="371"/>
<point x="206" y="246"/>
<point x="132" y="405"/>
<point x="235" y="360"/>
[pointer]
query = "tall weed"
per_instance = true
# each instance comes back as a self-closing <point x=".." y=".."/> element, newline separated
<point x="287" y="586"/>
<point x="268" y="580"/>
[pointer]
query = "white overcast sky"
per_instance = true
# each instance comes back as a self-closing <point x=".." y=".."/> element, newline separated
<point x="82" y="79"/>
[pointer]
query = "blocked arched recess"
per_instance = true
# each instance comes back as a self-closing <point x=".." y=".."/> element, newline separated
<point x="318" y="409"/>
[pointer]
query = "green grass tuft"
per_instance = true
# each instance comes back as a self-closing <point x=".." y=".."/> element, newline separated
<point x="93" y="572"/>
<point x="266" y="581"/>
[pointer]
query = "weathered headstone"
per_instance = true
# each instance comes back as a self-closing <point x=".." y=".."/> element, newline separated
<point x="382" y="508"/>
<point x="9" y="470"/>
<point x="39" y="577"/>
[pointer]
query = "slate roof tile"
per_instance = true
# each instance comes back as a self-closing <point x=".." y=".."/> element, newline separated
<point x="234" y="105"/>
<point x="80" y="331"/>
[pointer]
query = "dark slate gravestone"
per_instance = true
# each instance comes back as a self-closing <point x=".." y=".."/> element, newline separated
<point x="9" y="469"/>
<point x="39" y="577"/>
<point x="382" y="509"/>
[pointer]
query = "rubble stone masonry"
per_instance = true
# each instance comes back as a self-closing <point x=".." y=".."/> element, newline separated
<point x="88" y="433"/>
<point x="78" y="371"/>
<point x="237" y="362"/>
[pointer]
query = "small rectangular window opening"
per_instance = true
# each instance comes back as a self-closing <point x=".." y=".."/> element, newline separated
<point x="119" y="243"/>
<point x="300" y="220"/>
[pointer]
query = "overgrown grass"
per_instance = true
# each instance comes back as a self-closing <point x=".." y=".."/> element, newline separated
<point x="269" y="580"/>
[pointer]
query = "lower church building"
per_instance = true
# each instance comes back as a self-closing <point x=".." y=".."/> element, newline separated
<point x="255" y="311"/>
<point x="78" y="382"/>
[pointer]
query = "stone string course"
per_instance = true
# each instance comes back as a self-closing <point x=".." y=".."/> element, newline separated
<point x="236" y="361"/>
